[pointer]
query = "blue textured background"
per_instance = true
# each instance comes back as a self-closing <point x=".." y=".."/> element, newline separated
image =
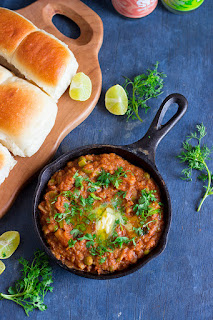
<point x="178" y="284"/>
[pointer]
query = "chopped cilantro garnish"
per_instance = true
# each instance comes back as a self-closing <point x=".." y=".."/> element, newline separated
<point x="75" y="232"/>
<point x="105" y="178"/>
<point x="122" y="194"/>
<point x="115" y="178"/>
<point x="91" y="189"/>
<point x="66" y="206"/>
<point x="94" y="196"/>
<point x="102" y="260"/>
<point x="71" y="243"/>
<point x="141" y="231"/>
<point x="88" y="236"/>
<point x="78" y="181"/>
<point x="143" y="208"/>
<point x="59" y="216"/>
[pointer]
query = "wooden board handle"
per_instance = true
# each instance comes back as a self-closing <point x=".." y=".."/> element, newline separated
<point x="88" y="21"/>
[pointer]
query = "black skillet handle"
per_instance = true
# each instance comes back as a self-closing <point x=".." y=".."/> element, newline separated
<point x="148" y="144"/>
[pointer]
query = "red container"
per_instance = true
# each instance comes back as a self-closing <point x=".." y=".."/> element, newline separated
<point x="134" y="8"/>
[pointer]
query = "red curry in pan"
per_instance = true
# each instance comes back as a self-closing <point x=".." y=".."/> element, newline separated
<point x="101" y="213"/>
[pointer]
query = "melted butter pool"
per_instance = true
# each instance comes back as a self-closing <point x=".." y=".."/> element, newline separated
<point x="106" y="218"/>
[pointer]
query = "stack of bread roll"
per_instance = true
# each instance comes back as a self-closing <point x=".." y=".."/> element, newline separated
<point x="28" y="109"/>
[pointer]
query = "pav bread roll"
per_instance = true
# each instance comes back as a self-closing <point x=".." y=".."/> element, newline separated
<point x="27" y="115"/>
<point x="46" y="61"/>
<point x="36" y="54"/>
<point x="7" y="162"/>
<point x="13" y="29"/>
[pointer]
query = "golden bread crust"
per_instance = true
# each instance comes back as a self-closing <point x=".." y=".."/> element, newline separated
<point x="13" y="29"/>
<point x="18" y="103"/>
<point x="44" y="56"/>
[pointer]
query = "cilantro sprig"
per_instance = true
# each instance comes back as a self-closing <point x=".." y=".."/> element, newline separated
<point x="144" y="210"/>
<point x="195" y="156"/>
<point x="98" y="247"/>
<point x="119" y="241"/>
<point x="105" y="178"/>
<point x="142" y="88"/>
<point x="29" y="291"/>
<point x="141" y="231"/>
<point x="78" y="181"/>
<point x="102" y="260"/>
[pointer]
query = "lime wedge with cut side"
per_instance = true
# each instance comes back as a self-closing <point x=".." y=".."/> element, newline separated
<point x="2" y="267"/>
<point x="116" y="100"/>
<point x="9" y="242"/>
<point x="80" y="87"/>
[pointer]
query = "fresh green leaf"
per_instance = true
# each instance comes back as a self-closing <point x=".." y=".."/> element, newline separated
<point x="203" y="177"/>
<point x="78" y="181"/>
<point x="71" y="243"/>
<point x="75" y="232"/>
<point x="29" y="291"/>
<point x="115" y="178"/>
<point x="122" y="194"/>
<point x="195" y="156"/>
<point x="143" y="208"/>
<point x="139" y="231"/>
<point x="102" y="260"/>
<point x="119" y="241"/>
<point x="88" y="236"/>
<point x="104" y="178"/>
<point x="94" y="196"/>
<point x="66" y="206"/>
<point x="141" y="89"/>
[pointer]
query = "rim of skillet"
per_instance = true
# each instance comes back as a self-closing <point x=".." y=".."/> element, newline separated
<point x="131" y="157"/>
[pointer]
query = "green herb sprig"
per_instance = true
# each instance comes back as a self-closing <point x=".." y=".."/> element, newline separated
<point x="119" y="241"/>
<point x="29" y="291"/>
<point x="141" y="89"/>
<point x="141" y="231"/>
<point x="98" y="247"/>
<point x="195" y="157"/>
<point x="78" y="181"/>
<point x="143" y="209"/>
<point x="105" y="178"/>
<point x="102" y="260"/>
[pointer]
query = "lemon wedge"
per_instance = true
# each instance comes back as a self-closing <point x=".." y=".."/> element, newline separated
<point x="80" y="87"/>
<point x="116" y="100"/>
<point x="2" y="267"/>
<point x="9" y="242"/>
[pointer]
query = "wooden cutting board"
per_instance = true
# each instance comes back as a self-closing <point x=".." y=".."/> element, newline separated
<point x="70" y="113"/>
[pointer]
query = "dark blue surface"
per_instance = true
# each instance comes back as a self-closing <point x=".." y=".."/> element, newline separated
<point x="178" y="284"/>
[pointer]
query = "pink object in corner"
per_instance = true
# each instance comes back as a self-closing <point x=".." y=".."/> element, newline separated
<point x="134" y="8"/>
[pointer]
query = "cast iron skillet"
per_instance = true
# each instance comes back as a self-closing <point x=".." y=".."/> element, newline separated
<point x="141" y="154"/>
